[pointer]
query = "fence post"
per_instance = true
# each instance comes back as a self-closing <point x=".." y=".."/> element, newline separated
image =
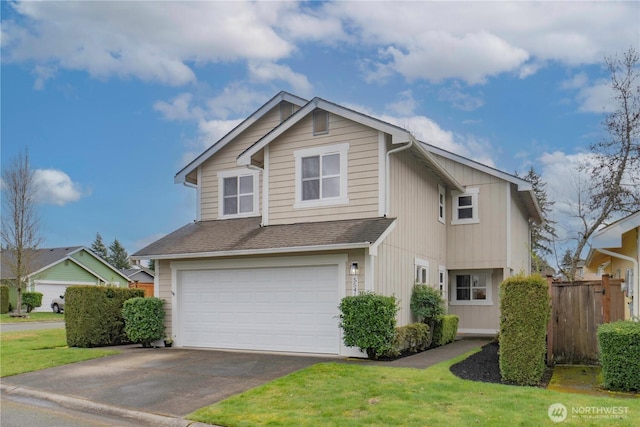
<point x="606" y="299"/>
<point x="550" y="323"/>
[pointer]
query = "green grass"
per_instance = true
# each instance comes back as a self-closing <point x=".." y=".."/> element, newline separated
<point x="335" y="394"/>
<point x="27" y="351"/>
<point x="33" y="317"/>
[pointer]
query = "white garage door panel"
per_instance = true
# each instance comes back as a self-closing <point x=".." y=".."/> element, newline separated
<point x="273" y="309"/>
<point x="49" y="292"/>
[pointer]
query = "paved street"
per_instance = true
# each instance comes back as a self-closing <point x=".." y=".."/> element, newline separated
<point x="29" y="326"/>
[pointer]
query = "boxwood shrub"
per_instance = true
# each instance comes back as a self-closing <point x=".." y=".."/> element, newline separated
<point x="445" y="330"/>
<point x="524" y="312"/>
<point x="144" y="320"/>
<point x="426" y="303"/>
<point x="4" y="299"/>
<point x="368" y="321"/>
<point x="32" y="300"/>
<point x="410" y="338"/>
<point x="619" y="344"/>
<point x="93" y="315"/>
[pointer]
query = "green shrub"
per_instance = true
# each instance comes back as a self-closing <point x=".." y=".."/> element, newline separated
<point x="524" y="313"/>
<point x="426" y="303"/>
<point x="368" y="321"/>
<point x="619" y="344"/>
<point x="32" y="300"/>
<point x="93" y="315"/>
<point x="410" y="338"/>
<point x="144" y="320"/>
<point x="4" y="299"/>
<point x="445" y="330"/>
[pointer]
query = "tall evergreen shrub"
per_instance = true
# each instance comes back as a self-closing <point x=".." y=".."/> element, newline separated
<point x="619" y="344"/>
<point x="144" y="320"/>
<point x="4" y="299"/>
<point x="524" y="312"/>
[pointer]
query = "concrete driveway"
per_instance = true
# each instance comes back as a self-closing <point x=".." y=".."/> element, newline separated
<point x="163" y="381"/>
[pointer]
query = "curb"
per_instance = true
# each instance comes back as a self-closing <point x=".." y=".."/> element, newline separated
<point x="88" y="406"/>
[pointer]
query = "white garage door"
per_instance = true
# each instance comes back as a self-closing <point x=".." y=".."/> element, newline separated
<point x="275" y="309"/>
<point x="49" y="292"/>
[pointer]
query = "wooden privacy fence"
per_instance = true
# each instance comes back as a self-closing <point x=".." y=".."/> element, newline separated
<point x="577" y="310"/>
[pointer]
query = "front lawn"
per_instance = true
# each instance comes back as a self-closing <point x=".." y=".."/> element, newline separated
<point x="335" y="394"/>
<point x="33" y="317"/>
<point x="26" y="351"/>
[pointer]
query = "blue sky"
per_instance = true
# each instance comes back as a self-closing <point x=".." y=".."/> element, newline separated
<point x="113" y="98"/>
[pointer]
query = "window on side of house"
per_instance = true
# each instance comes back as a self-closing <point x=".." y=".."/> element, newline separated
<point x="321" y="176"/>
<point x="320" y="122"/>
<point x="471" y="288"/>
<point x="442" y="280"/>
<point x="441" y="204"/>
<point x="465" y="207"/>
<point x="422" y="271"/>
<point x="238" y="197"/>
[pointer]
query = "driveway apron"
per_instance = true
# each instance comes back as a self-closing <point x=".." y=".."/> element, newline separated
<point x="163" y="381"/>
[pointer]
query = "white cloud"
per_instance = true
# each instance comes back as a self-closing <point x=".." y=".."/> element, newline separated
<point x="268" y="72"/>
<point x="179" y="108"/>
<point x="596" y="98"/>
<point x="405" y="105"/>
<point x="55" y="187"/>
<point x="459" y="99"/>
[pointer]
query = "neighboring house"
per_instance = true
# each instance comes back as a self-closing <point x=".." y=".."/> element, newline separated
<point x="306" y="202"/>
<point x="615" y="250"/>
<point x="52" y="270"/>
<point x="141" y="278"/>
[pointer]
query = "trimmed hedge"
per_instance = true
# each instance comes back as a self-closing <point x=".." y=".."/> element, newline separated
<point x="524" y="312"/>
<point x="426" y="303"/>
<point x="410" y="338"/>
<point x="144" y="320"/>
<point x="4" y="299"/>
<point x="93" y="315"/>
<point x="445" y="330"/>
<point x="619" y="344"/>
<point x="32" y="300"/>
<point x="368" y="321"/>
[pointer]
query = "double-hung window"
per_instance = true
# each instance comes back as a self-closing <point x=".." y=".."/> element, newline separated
<point x="441" y="204"/>
<point x="321" y="176"/>
<point x="422" y="271"/>
<point x="238" y="196"/>
<point x="465" y="207"/>
<point x="471" y="288"/>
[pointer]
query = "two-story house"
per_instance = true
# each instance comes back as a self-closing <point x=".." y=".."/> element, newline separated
<point x="306" y="202"/>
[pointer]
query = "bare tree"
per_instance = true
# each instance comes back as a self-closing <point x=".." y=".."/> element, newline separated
<point x="614" y="170"/>
<point x="20" y="223"/>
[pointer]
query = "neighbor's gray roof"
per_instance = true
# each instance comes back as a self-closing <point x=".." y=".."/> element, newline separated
<point x="41" y="259"/>
<point x="245" y="236"/>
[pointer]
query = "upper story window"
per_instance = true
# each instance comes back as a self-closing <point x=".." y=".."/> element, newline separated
<point x="441" y="204"/>
<point x="465" y="207"/>
<point x="321" y="176"/>
<point x="237" y="193"/>
<point x="471" y="288"/>
<point x="286" y="110"/>
<point x="320" y="122"/>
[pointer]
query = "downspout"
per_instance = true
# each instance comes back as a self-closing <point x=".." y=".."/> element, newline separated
<point x="387" y="197"/>
<point x="635" y="286"/>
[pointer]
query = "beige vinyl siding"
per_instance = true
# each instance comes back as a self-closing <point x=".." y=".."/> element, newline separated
<point x="520" y="237"/>
<point x="418" y="233"/>
<point x="225" y="160"/>
<point x="362" y="172"/>
<point x="481" y="318"/>
<point x="163" y="273"/>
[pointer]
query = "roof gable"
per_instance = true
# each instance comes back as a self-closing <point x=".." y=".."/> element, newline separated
<point x="611" y="236"/>
<point x="183" y="175"/>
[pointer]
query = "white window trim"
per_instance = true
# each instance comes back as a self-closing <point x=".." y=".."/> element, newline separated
<point x="256" y="192"/>
<point x="473" y="192"/>
<point x="442" y="281"/>
<point x="419" y="266"/>
<point x="342" y="150"/>
<point x="442" y="204"/>
<point x="489" y="287"/>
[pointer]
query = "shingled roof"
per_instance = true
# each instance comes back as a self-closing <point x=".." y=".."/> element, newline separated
<point x="246" y="236"/>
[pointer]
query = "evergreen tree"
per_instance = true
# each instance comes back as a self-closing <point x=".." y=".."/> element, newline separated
<point x="152" y="265"/>
<point x="118" y="256"/>
<point x="542" y="235"/>
<point x="99" y="248"/>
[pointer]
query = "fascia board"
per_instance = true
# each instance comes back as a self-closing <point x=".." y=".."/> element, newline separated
<point x="266" y="251"/>
<point x="181" y="176"/>
<point x="611" y="236"/>
<point x="55" y="262"/>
